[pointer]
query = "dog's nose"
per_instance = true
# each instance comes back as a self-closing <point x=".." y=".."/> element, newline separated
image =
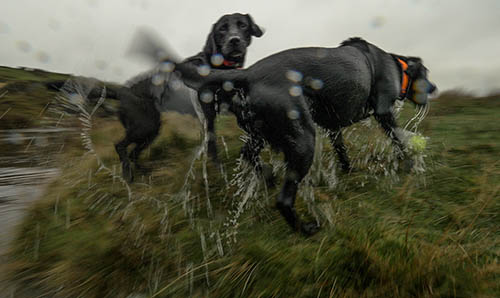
<point x="235" y="40"/>
<point x="432" y="88"/>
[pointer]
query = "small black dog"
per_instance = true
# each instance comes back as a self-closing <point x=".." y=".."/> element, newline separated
<point x="139" y="113"/>
<point x="283" y="95"/>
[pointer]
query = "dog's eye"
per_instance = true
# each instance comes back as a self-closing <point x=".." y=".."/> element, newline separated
<point x="223" y="28"/>
<point x="242" y="25"/>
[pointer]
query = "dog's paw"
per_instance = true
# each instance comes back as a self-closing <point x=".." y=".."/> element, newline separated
<point x="309" y="229"/>
<point x="127" y="172"/>
<point x="346" y="169"/>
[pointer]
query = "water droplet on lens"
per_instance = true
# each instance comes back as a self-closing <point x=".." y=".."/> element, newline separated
<point x="157" y="79"/>
<point x="175" y="84"/>
<point x="321" y="53"/>
<point x="217" y="60"/>
<point x="15" y="138"/>
<point x="295" y="90"/>
<point x="4" y="28"/>
<point x="161" y="55"/>
<point x="42" y="57"/>
<point x="207" y="96"/>
<point x="101" y="64"/>
<point x="378" y="21"/>
<point x="204" y="70"/>
<point x="76" y="98"/>
<point x="316" y="84"/>
<point x="24" y="46"/>
<point x="294" y="76"/>
<point x="167" y="66"/>
<point x="227" y="86"/>
<point x="293" y="114"/>
<point x="54" y="24"/>
<point x="118" y="71"/>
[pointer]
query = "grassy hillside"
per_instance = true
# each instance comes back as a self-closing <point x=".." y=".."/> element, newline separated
<point x="186" y="228"/>
<point x="23" y="97"/>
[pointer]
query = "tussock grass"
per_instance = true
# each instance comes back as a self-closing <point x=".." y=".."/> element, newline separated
<point x="428" y="234"/>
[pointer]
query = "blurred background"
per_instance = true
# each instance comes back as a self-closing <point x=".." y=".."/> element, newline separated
<point x="458" y="39"/>
<point x="71" y="227"/>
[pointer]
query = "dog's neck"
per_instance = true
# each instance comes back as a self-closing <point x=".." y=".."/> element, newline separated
<point x="406" y="80"/>
<point x="225" y="63"/>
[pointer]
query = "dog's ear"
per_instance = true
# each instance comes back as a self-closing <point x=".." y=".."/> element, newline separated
<point x="254" y="28"/>
<point x="414" y="66"/>
<point x="210" y="47"/>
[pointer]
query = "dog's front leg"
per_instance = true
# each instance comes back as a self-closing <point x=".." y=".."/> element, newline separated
<point x="121" y="149"/>
<point x="388" y="123"/>
<point x="210" y="114"/>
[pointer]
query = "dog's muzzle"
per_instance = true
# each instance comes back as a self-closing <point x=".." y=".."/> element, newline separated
<point x="421" y="90"/>
<point x="234" y="47"/>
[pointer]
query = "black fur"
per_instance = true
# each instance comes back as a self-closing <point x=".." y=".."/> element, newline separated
<point x="138" y="111"/>
<point x="286" y="93"/>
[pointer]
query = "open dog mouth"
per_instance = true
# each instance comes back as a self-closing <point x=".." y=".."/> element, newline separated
<point x="235" y="55"/>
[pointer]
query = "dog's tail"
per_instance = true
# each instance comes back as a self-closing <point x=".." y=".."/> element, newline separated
<point x="94" y="92"/>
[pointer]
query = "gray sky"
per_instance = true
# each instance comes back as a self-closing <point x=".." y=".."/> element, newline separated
<point x="459" y="40"/>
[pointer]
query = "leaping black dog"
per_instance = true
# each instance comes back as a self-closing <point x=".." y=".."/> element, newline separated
<point x="224" y="49"/>
<point x="283" y="95"/>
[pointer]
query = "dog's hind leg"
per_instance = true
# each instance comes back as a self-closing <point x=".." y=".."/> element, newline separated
<point x="299" y="155"/>
<point x="121" y="149"/>
<point x="134" y="154"/>
<point x="338" y="143"/>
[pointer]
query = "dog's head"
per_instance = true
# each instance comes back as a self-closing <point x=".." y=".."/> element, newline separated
<point x="420" y="87"/>
<point x="228" y="41"/>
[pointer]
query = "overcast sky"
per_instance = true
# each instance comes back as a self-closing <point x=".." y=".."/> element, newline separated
<point x="459" y="40"/>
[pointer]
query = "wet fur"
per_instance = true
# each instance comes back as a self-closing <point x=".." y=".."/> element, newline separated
<point x="138" y="111"/>
<point x="357" y="79"/>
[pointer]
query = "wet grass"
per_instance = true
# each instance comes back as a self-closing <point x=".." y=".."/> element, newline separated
<point x="433" y="234"/>
<point x="25" y="99"/>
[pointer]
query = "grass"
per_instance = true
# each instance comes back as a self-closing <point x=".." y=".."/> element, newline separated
<point x="25" y="98"/>
<point x="427" y="234"/>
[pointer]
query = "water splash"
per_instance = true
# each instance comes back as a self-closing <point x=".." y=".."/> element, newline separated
<point x="65" y="101"/>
